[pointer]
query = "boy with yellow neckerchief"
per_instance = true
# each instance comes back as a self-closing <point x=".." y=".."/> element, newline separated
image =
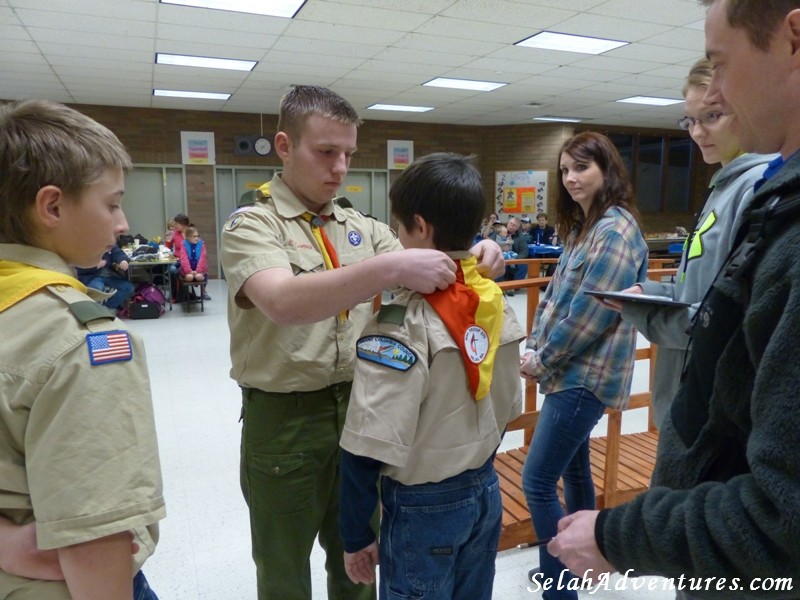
<point x="436" y="383"/>
<point x="79" y="462"/>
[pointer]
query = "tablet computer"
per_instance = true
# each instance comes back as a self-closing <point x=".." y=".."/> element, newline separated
<point x="641" y="298"/>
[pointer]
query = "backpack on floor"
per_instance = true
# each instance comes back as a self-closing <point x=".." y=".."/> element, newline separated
<point x="147" y="302"/>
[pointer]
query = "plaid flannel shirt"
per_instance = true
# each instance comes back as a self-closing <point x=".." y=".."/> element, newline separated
<point x="576" y="340"/>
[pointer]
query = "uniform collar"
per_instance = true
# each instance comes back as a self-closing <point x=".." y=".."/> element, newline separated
<point x="289" y="206"/>
<point x="38" y="257"/>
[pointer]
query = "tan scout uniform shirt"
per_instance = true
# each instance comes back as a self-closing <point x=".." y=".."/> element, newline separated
<point x="271" y="233"/>
<point x="78" y="450"/>
<point x="424" y="424"/>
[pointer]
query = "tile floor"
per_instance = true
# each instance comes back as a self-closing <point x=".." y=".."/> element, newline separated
<point x="204" y="552"/>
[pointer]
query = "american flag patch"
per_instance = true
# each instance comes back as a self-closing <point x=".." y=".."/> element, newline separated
<point x="109" y="346"/>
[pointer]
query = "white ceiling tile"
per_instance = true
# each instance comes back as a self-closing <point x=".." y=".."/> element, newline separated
<point x="504" y="12"/>
<point x="433" y="43"/>
<point x="423" y="58"/>
<point x="653" y="11"/>
<point x="343" y="33"/>
<point x="324" y="11"/>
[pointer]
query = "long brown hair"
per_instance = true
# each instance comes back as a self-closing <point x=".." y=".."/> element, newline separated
<point x="590" y="146"/>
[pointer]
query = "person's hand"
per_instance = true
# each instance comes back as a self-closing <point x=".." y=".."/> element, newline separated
<point x="576" y="547"/>
<point x="123" y="266"/>
<point x="490" y="259"/>
<point x="615" y="304"/>
<point x="526" y="366"/>
<point x="102" y="263"/>
<point x="425" y="271"/>
<point x="360" y="566"/>
<point x="20" y="556"/>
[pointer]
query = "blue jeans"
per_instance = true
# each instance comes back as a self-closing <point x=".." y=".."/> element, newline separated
<point x="142" y="589"/>
<point x="560" y="449"/>
<point x="439" y="540"/>
<point x="124" y="289"/>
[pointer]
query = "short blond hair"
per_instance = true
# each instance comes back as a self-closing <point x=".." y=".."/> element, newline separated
<point x="45" y="143"/>
<point x="303" y="101"/>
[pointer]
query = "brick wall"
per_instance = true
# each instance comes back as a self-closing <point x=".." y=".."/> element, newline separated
<point x="153" y="136"/>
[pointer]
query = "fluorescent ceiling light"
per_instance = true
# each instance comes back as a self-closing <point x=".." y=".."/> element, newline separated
<point x="201" y="95"/>
<point x="400" y="107"/>
<point x="271" y="8"/>
<point x="465" y="84"/>
<point x="558" y="119"/>
<point x="182" y="60"/>
<point x="548" y="40"/>
<point x="651" y="100"/>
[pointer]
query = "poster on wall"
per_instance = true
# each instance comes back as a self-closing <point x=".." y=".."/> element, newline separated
<point x="521" y="192"/>
<point x="197" y="148"/>
<point x="400" y="153"/>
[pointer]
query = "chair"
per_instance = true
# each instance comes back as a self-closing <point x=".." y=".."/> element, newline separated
<point x="192" y="293"/>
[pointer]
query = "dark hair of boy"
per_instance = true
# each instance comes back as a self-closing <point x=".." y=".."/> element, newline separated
<point x="445" y="190"/>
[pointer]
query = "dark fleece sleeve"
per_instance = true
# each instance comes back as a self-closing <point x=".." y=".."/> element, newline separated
<point x="746" y="525"/>
<point x="358" y="499"/>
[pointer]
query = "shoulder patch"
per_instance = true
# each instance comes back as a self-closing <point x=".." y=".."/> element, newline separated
<point x="386" y="351"/>
<point x="236" y="217"/>
<point x="394" y="314"/>
<point x="109" y="346"/>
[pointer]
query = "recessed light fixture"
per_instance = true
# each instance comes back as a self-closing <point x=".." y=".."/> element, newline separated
<point x="183" y="60"/>
<point x="271" y="8"/>
<point x="558" y="119"/>
<point x="651" y="100"/>
<point x="549" y="40"/>
<point x="201" y="95"/>
<point x="465" y="84"/>
<point x="400" y="107"/>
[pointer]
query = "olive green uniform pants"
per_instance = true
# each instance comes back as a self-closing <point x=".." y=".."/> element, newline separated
<point x="290" y="481"/>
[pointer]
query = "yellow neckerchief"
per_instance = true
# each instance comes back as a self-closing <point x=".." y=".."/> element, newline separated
<point x="472" y="311"/>
<point x="20" y="280"/>
<point x="327" y="250"/>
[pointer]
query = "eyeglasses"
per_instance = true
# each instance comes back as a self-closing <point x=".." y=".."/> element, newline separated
<point x="706" y="120"/>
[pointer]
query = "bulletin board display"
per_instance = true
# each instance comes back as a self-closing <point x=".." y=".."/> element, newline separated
<point x="521" y="192"/>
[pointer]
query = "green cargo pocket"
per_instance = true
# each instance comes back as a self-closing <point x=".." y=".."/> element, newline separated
<point x="281" y="483"/>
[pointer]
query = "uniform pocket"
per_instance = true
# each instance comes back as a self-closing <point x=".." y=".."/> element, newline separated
<point x="282" y="481"/>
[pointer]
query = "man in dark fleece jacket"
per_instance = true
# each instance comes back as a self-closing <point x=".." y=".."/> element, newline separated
<point x="723" y="514"/>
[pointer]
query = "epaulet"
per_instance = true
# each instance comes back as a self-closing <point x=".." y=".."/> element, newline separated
<point x="393" y="314"/>
<point x="250" y="197"/>
<point x="89" y="310"/>
<point x="84" y="309"/>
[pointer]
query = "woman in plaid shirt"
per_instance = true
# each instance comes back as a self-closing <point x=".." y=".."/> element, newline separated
<point x="580" y="351"/>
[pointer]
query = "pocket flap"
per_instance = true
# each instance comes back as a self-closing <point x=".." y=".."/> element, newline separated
<point x="278" y="465"/>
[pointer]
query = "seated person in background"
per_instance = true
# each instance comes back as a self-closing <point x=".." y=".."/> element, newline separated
<point x="542" y="233"/>
<point x="519" y="249"/>
<point x="435" y="386"/>
<point x="525" y="227"/>
<point x="109" y="273"/>
<point x="170" y="235"/>
<point x="193" y="259"/>
<point x="181" y="223"/>
<point x="504" y="241"/>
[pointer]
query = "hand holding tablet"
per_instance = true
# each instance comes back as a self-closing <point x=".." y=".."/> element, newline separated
<point x="641" y="298"/>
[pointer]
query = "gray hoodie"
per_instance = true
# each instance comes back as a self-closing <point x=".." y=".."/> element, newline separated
<point x="731" y="192"/>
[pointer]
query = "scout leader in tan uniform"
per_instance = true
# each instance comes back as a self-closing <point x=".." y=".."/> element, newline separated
<point x="78" y="451"/>
<point x="294" y="318"/>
